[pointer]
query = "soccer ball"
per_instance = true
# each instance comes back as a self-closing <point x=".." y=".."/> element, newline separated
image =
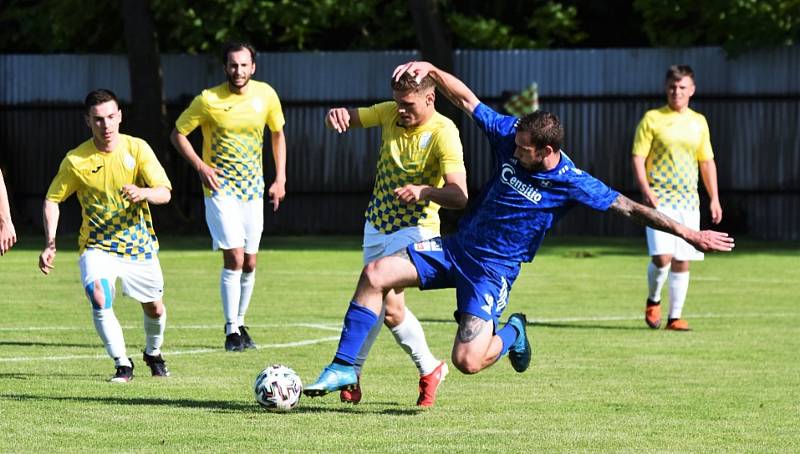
<point x="278" y="388"/>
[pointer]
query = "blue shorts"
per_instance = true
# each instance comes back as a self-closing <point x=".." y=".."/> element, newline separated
<point x="482" y="288"/>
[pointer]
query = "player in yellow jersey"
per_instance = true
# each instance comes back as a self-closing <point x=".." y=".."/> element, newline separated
<point x="115" y="177"/>
<point x="420" y="168"/>
<point x="8" y="236"/>
<point x="232" y="116"/>
<point x="670" y="144"/>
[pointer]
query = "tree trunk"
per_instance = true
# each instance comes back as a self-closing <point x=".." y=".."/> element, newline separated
<point x="434" y="45"/>
<point x="146" y="117"/>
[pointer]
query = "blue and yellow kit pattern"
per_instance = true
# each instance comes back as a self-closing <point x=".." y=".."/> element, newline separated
<point x="420" y="155"/>
<point x="673" y="143"/>
<point x="233" y="134"/>
<point x="111" y="223"/>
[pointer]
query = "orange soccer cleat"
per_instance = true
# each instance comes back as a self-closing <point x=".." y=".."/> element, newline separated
<point x="652" y="314"/>
<point x="429" y="384"/>
<point x="678" y="324"/>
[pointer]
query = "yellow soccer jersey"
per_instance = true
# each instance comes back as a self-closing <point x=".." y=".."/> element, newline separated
<point x="420" y="155"/>
<point x="233" y="134"/>
<point x="673" y="143"/>
<point x="111" y="223"/>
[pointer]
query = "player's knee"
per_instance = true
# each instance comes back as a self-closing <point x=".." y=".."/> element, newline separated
<point x="154" y="310"/>
<point x="466" y="364"/>
<point x="100" y="294"/>
<point x="395" y="311"/>
<point x="466" y="361"/>
<point x="371" y="277"/>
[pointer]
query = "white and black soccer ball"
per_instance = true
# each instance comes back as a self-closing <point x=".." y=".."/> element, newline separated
<point x="278" y="388"/>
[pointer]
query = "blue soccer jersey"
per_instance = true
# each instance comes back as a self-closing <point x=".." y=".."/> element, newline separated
<point x="517" y="207"/>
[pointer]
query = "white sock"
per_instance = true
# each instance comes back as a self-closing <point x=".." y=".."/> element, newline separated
<point x="411" y="337"/>
<point x="247" y="284"/>
<point x="230" y="286"/>
<point x="369" y="341"/>
<point x="154" y="333"/>
<point x="678" y="287"/>
<point x="107" y="326"/>
<point x="655" y="281"/>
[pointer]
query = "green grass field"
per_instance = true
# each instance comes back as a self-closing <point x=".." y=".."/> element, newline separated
<point x="600" y="379"/>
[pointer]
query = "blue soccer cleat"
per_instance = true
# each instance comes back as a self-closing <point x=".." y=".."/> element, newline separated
<point x="335" y="377"/>
<point x="520" y="351"/>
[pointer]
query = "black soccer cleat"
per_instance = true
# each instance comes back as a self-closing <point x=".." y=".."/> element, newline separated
<point x="157" y="365"/>
<point x="234" y="343"/>
<point x="247" y="341"/>
<point x="124" y="374"/>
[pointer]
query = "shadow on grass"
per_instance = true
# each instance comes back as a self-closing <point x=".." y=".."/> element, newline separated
<point x="46" y="344"/>
<point x="534" y="323"/>
<point x="213" y="405"/>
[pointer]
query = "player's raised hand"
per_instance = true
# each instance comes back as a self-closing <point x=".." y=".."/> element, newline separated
<point x="710" y="240"/>
<point x="208" y="176"/>
<point x="46" y="259"/>
<point x="277" y="192"/>
<point x="409" y="193"/>
<point x="418" y="69"/>
<point x="338" y="119"/>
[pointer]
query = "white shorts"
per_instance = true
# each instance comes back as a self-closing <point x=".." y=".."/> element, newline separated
<point x="662" y="243"/>
<point x="235" y="223"/>
<point x="141" y="279"/>
<point x="378" y="244"/>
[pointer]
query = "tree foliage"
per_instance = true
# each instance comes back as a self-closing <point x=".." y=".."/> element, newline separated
<point x="49" y="26"/>
<point x="736" y="25"/>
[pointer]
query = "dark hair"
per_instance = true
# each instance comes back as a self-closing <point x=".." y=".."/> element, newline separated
<point x="234" y="46"/>
<point x="545" y="129"/>
<point x="99" y="96"/>
<point x="678" y="72"/>
<point x="407" y="82"/>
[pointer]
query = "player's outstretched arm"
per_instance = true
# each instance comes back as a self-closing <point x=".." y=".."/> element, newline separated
<point x="340" y="119"/>
<point x="8" y="236"/>
<point x="50" y="214"/>
<point x="452" y="88"/>
<point x="705" y="240"/>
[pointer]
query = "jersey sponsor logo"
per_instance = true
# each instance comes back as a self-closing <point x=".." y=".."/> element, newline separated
<point x="508" y="176"/>
<point x="428" y="245"/>
<point x="424" y="139"/>
<point x="129" y="161"/>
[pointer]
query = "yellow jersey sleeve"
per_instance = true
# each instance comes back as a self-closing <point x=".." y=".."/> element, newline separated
<point x="380" y="114"/>
<point x="704" y="151"/>
<point x="151" y="173"/>
<point x="64" y="184"/>
<point x="275" y="119"/>
<point x="450" y="151"/>
<point x="643" y="138"/>
<point x="192" y="117"/>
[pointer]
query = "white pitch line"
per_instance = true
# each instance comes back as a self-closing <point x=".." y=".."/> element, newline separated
<point x="322" y="326"/>
<point x="196" y="351"/>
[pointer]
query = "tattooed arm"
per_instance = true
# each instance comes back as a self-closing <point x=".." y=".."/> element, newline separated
<point x="705" y="240"/>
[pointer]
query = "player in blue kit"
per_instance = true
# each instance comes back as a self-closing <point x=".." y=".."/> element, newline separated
<point x="534" y="185"/>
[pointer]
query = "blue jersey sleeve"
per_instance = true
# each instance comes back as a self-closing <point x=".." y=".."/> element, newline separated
<point x="590" y="191"/>
<point x="499" y="129"/>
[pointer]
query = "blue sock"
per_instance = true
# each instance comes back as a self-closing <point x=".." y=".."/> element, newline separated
<point x="357" y="322"/>
<point x="508" y="334"/>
